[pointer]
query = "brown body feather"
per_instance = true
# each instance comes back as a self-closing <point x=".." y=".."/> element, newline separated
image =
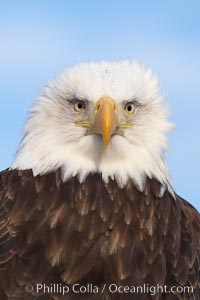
<point x="67" y="233"/>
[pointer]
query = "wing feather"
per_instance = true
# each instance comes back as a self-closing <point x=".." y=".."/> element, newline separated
<point x="96" y="233"/>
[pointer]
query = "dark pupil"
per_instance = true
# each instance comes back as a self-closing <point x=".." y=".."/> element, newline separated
<point x="129" y="107"/>
<point x="80" y="105"/>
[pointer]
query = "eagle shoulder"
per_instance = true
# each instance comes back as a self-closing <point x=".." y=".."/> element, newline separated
<point x="94" y="232"/>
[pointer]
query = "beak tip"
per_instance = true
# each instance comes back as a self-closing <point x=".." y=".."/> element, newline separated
<point x="106" y="140"/>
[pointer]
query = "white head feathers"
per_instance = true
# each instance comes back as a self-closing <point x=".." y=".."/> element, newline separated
<point x="53" y="140"/>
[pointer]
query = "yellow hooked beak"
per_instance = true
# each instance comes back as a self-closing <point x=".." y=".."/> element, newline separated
<point x="105" y="120"/>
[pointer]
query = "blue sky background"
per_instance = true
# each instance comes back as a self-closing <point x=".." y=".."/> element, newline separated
<point x="38" y="39"/>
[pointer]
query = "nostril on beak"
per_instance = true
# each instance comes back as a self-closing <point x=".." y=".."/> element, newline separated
<point x="98" y="106"/>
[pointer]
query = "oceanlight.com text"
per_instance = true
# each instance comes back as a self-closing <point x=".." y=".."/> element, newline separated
<point x="57" y="288"/>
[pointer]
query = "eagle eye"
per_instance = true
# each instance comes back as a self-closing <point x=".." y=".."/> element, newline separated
<point x="130" y="108"/>
<point x="79" y="106"/>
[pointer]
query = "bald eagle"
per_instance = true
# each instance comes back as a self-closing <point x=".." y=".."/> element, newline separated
<point x="87" y="210"/>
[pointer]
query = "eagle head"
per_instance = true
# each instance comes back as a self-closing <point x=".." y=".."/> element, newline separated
<point x="107" y="118"/>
